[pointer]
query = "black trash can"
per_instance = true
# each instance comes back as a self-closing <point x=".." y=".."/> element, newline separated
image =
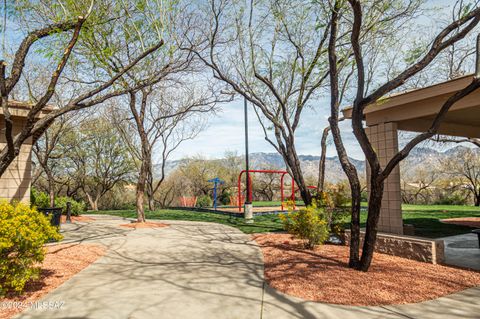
<point x="54" y="213"/>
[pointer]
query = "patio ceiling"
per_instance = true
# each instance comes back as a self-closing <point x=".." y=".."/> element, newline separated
<point x="414" y="110"/>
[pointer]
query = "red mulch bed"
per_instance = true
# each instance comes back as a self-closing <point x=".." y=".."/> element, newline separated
<point x="77" y="219"/>
<point x="136" y="225"/>
<point x="323" y="275"/>
<point x="463" y="221"/>
<point x="61" y="262"/>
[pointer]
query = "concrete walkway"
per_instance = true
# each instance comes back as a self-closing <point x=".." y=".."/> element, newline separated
<point x="462" y="251"/>
<point x="199" y="270"/>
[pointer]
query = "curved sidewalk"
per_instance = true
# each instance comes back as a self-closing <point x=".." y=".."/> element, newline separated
<point x="199" y="270"/>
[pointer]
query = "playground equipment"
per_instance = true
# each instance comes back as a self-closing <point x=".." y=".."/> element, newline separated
<point x="249" y="186"/>
<point x="216" y="181"/>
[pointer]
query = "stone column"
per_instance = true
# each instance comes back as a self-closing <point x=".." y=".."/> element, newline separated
<point x="384" y="139"/>
<point x="15" y="182"/>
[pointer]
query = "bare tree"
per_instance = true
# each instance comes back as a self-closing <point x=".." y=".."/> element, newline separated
<point x="458" y="140"/>
<point x="163" y="119"/>
<point x="180" y="122"/>
<point x="323" y="156"/>
<point x="265" y="186"/>
<point x="96" y="93"/>
<point x="451" y="34"/>
<point x="464" y="171"/>
<point x="273" y="54"/>
<point x="46" y="153"/>
<point x="418" y="184"/>
<point x="98" y="158"/>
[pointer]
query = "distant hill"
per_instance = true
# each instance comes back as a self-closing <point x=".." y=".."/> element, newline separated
<point x="309" y="164"/>
<point x="419" y="157"/>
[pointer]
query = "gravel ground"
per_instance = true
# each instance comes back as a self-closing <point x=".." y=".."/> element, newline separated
<point x="322" y="275"/>
<point x="61" y="262"/>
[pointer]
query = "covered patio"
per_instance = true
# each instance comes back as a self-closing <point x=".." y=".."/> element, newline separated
<point x="414" y="111"/>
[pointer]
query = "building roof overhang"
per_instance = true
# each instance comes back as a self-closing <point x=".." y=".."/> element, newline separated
<point x="415" y="110"/>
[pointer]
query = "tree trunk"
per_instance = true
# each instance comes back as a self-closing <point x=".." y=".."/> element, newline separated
<point x="149" y="187"/>
<point x="321" y="164"/>
<point x="51" y="189"/>
<point x="151" y="203"/>
<point x="289" y="154"/>
<point x="374" y="205"/>
<point x="477" y="199"/>
<point x="355" y="189"/>
<point x="93" y="202"/>
<point x="294" y="164"/>
<point x="142" y="177"/>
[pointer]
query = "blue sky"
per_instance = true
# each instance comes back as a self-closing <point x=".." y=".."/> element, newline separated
<point x="226" y="130"/>
<point x="226" y="133"/>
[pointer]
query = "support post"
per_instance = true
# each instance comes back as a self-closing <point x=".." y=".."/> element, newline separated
<point x="293" y="192"/>
<point x="281" y="189"/>
<point x="384" y="138"/>
<point x="69" y="212"/>
<point x="215" y="195"/>
<point x="248" y="209"/>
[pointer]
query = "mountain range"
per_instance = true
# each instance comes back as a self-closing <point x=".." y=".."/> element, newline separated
<point x="420" y="157"/>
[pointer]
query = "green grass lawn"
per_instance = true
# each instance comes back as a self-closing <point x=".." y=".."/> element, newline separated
<point x="264" y="223"/>
<point x="425" y="218"/>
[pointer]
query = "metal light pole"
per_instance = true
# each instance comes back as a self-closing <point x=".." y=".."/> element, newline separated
<point x="247" y="208"/>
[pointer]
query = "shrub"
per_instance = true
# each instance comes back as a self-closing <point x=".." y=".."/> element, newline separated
<point x="308" y="224"/>
<point x="224" y="197"/>
<point x="39" y="198"/>
<point x="455" y="198"/>
<point x="335" y="203"/>
<point x="76" y="207"/>
<point x="42" y="200"/>
<point x="204" y="201"/>
<point x="23" y="232"/>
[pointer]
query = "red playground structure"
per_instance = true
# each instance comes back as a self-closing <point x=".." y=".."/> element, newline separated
<point x="249" y="187"/>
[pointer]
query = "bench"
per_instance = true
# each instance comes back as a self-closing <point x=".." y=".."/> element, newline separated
<point x="477" y="231"/>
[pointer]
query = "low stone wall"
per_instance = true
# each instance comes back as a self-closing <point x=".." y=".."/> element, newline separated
<point x="416" y="248"/>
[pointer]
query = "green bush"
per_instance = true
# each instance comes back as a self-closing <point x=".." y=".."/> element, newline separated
<point x="308" y="224"/>
<point x="23" y="232"/>
<point x="455" y="198"/>
<point x="39" y="199"/>
<point x="42" y="200"/>
<point x="335" y="201"/>
<point x="204" y="201"/>
<point x="224" y="197"/>
<point x="76" y="207"/>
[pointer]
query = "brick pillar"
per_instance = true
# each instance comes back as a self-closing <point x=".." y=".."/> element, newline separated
<point x="15" y="182"/>
<point x="384" y="139"/>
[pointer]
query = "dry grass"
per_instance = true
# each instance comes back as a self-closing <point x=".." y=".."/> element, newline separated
<point x="463" y="221"/>
<point x="323" y="275"/>
<point x="61" y="263"/>
<point x="137" y="225"/>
